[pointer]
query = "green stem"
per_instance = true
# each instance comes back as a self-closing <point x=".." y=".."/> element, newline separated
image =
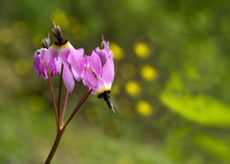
<point x="54" y="147"/>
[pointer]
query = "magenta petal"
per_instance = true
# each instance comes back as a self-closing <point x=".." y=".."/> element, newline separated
<point x="68" y="79"/>
<point x="49" y="56"/>
<point x="39" y="66"/>
<point x="37" y="60"/>
<point x="108" y="72"/>
<point x="58" y="64"/>
<point x="101" y="87"/>
<point x="64" y="54"/>
<point x="90" y="79"/>
<point x="95" y="63"/>
<point x="107" y="49"/>
<point x="65" y="51"/>
<point x="77" y="63"/>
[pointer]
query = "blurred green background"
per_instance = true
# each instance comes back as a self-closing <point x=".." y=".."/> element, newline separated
<point x="171" y="90"/>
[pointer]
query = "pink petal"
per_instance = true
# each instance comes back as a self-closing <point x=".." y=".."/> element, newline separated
<point x="90" y="79"/>
<point x="95" y="63"/>
<point x="108" y="72"/>
<point x="39" y="63"/>
<point x="76" y="61"/>
<point x="68" y="79"/>
<point x="49" y="56"/>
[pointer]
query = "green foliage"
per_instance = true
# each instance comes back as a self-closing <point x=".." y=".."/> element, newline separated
<point x="214" y="146"/>
<point x="199" y="108"/>
<point x="186" y="118"/>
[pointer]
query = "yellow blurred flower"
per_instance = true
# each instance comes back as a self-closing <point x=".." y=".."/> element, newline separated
<point x="6" y="36"/>
<point x="141" y="50"/>
<point x="117" y="51"/>
<point x="37" y="103"/>
<point x="60" y="18"/>
<point x="133" y="88"/>
<point x="144" y="108"/>
<point x="22" y="66"/>
<point x="148" y="73"/>
<point x="128" y="70"/>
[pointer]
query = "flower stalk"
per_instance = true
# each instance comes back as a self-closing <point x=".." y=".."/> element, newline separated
<point x="61" y="58"/>
<point x="53" y="100"/>
<point x="61" y="128"/>
<point x="59" y="92"/>
<point x="54" y="147"/>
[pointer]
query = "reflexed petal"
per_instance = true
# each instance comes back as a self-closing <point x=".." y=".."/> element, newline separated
<point x="107" y="50"/>
<point x="68" y="79"/>
<point x="90" y="79"/>
<point x="86" y="60"/>
<point x="57" y="62"/>
<point x="49" y="56"/>
<point x="39" y="63"/>
<point x="100" y="88"/>
<point x="75" y="75"/>
<point x="77" y="63"/>
<point x="95" y="63"/>
<point x="101" y="54"/>
<point x="64" y="53"/>
<point x="108" y="72"/>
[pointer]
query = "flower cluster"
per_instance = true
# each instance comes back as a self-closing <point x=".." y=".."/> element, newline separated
<point x="95" y="71"/>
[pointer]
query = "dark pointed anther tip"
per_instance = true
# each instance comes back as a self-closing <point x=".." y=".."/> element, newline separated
<point x="46" y="42"/>
<point x="58" y="35"/>
<point x="107" y="98"/>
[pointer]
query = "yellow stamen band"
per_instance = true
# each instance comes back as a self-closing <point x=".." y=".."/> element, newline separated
<point x="64" y="45"/>
<point x="104" y="90"/>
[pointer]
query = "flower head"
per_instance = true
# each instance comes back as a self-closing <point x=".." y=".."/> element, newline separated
<point x="60" y="57"/>
<point x="99" y="72"/>
<point x="40" y="65"/>
<point x="70" y="58"/>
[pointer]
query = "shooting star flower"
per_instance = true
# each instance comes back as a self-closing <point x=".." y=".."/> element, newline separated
<point x="99" y="72"/>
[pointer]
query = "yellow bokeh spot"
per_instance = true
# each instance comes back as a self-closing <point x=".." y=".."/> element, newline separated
<point x="60" y="18"/>
<point x="133" y="88"/>
<point x="37" y="103"/>
<point x="117" y="51"/>
<point x="148" y="73"/>
<point x="22" y="66"/>
<point x="127" y="71"/>
<point x="19" y="27"/>
<point x="141" y="50"/>
<point x="144" y="108"/>
<point x="6" y="36"/>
